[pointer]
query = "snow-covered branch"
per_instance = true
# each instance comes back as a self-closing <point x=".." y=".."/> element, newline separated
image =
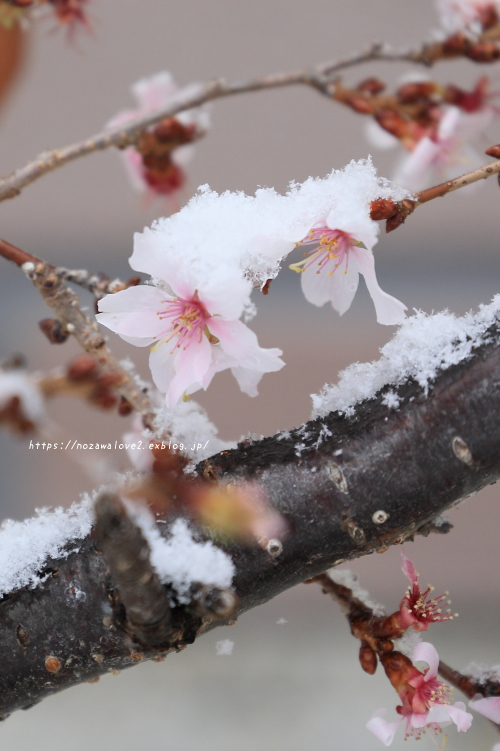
<point x="351" y="482"/>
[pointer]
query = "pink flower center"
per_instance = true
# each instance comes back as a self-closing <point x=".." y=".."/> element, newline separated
<point x="425" y="611"/>
<point x="332" y="251"/>
<point x="186" y="320"/>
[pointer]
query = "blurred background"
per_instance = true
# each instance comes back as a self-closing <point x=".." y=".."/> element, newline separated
<point x="287" y="686"/>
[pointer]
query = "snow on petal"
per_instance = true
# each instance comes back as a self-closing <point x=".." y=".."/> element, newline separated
<point x="487" y="706"/>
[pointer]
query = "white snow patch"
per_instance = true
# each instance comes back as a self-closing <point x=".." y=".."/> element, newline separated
<point x="224" y="648"/>
<point x="189" y="424"/>
<point x="422" y="346"/>
<point x="391" y="400"/>
<point x="481" y="672"/>
<point x="407" y="643"/>
<point x="347" y="578"/>
<point x="25" y="546"/>
<point x="18" y="383"/>
<point x="180" y="560"/>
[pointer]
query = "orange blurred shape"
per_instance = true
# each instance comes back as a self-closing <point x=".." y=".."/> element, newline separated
<point x="12" y="47"/>
<point x="238" y="511"/>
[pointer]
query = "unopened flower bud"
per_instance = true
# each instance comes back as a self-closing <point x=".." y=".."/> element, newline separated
<point x="411" y="92"/>
<point x="371" y="86"/>
<point x="382" y="208"/>
<point x="82" y="368"/>
<point x="494" y="151"/>
<point x="367" y="659"/>
<point x="53" y="330"/>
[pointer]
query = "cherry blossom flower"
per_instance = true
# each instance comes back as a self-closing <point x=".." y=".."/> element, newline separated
<point x="70" y="13"/>
<point x="156" y="165"/>
<point x="488" y="706"/>
<point x="190" y="318"/>
<point x="330" y="272"/>
<point x="415" y="610"/>
<point x="465" y="15"/>
<point x="445" y="152"/>
<point x="425" y="702"/>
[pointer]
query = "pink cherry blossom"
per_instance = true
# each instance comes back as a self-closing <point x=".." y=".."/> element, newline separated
<point x="151" y="94"/>
<point x="191" y="320"/>
<point x="445" y="152"/>
<point x="464" y="15"/>
<point x="425" y="702"/>
<point x="330" y="272"/>
<point x="488" y="706"/>
<point x="415" y="610"/>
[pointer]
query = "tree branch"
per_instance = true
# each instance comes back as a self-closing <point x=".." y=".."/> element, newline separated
<point x="318" y="77"/>
<point x="64" y="303"/>
<point x="397" y="470"/>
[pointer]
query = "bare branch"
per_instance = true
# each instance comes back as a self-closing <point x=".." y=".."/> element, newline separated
<point x="64" y="303"/>
<point x="318" y="77"/>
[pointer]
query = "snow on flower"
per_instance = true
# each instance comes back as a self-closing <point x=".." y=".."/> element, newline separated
<point x="465" y="15"/>
<point x="415" y="609"/>
<point x="190" y="318"/>
<point x="343" y="236"/>
<point x="488" y="706"/>
<point x="426" y="702"/>
<point x="156" y="164"/>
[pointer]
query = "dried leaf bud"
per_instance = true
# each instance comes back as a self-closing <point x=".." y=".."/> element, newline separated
<point x="488" y="16"/>
<point x="124" y="408"/>
<point x="397" y="667"/>
<point x="412" y="92"/>
<point x="392" y="122"/>
<point x="494" y="151"/>
<point x="360" y="104"/>
<point x="82" y="368"/>
<point x="53" y="330"/>
<point x="382" y="208"/>
<point x="368" y="659"/>
<point x="483" y="52"/>
<point x="371" y="86"/>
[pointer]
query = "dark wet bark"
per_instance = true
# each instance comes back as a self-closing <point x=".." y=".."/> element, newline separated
<point x="381" y="476"/>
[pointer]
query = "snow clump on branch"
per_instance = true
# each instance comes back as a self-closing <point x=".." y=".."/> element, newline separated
<point x="205" y="259"/>
<point x="422" y="347"/>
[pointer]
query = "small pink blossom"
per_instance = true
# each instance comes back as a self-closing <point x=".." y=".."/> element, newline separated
<point x="415" y="610"/>
<point x="445" y="152"/>
<point x="163" y="173"/>
<point x="488" y="706"/>
<point x="191" y="320"/>
<point x="464" y="15"/>
<point x="425" y="702"/>
<point x="330" y="272"/>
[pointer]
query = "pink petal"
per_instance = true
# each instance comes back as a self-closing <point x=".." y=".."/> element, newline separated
<point x="155" y="91"/>
<point x="384" y="730"/>
<point x="213" y="293"/>
<point x="149" y="256"/>
<point x="133" y="312"/>
<point x="190" y="364"/>
<point x="414" y="170"/>
<point x="239" y="342"/>
<point x="426" y="652"/>
<point x="389" y="310"/>
<point x="443" y="714"/>
<point x="487" y="706"/>
<point x="161" y="364"/>
<point x="248" y="380"/>
<point x="134" y="168"/>
<point x="418" y="720"/>
<point x="408" y="569"/>
<point x="339" y="289"/>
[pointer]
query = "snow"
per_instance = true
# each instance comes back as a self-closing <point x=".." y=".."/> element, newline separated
<point x="254" y="233"/>
<point x="224" y="648"/>
<point x="407" y="643"/>
<point x="347" y="578"/>
<point x="189" y="424"/>
<point x="180" y="560"/>
<point x="482" y="673"/>
<point x="25" y="546"/>
<point x="422" y="346"/>
<point x="17" y="383"/>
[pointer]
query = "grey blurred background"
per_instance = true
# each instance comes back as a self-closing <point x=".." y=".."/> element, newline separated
<point x="296" y="685"/>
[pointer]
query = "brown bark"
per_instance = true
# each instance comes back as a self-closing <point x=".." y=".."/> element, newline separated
<point x="397" y="470"/>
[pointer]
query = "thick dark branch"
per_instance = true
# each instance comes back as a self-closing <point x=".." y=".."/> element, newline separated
<point x="378" y="478"/>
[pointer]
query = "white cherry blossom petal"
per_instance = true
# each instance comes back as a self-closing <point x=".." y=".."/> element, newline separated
<point x="427" y="652"/>
<point x="487" y="706"/>
<point x="133" y="312"/>
<point x="389" y="310"/>
<point x="384" y="730"/>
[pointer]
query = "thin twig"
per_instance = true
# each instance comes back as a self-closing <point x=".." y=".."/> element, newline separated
<point x="318" y="77"/>
<point x="64" y="303"/>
